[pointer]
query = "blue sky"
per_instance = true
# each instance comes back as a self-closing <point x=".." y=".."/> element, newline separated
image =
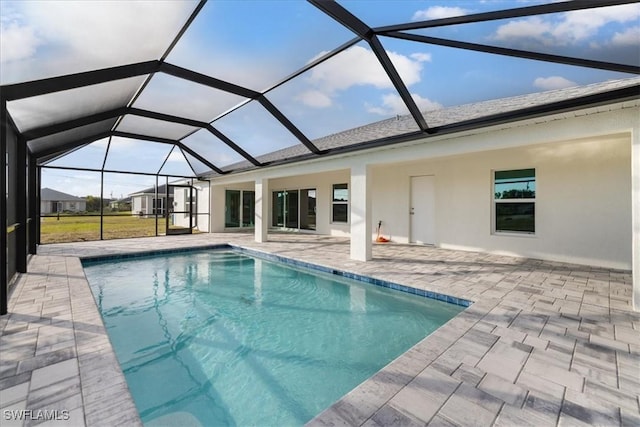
<point x="258" y="43"/>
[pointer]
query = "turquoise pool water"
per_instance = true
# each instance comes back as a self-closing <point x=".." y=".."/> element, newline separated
<point x="219" y="338"/>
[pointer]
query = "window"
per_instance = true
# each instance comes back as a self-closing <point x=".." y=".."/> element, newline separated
<point x="158" y="206"/>
<point x="515" y="201"/>
<point x="340" y="203"/>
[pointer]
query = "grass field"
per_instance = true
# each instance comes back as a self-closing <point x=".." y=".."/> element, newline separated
<point x="83" y="228"/>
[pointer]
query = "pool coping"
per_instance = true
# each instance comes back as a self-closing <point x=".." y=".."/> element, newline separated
<point x="286" y="261"/>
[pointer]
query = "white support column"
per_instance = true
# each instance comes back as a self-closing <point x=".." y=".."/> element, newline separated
<point x="360" y="212"/>
<point x="635" y="215"/>
<point x="262" y="210"/>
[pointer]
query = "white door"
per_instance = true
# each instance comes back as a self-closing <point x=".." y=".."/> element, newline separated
<point x="422" y="210"/>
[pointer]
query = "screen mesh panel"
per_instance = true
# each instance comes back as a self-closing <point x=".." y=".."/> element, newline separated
<point x="182" y="98"/>
<point x="59" y="107"/>
<point x="256" y="46"/>
<point x="211" y="148"/>
<point x="53" y="38"/>
<point x="257" y="131"/>
<point x="300" y="58"/>
<point x="67" y="139"/>
<point x="90" y="156"/>
<point x="119" y="157"/>
<point x="349" y="90"/>
<point x="152" y="127"/>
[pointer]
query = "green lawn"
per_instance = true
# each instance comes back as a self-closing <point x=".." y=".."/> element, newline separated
<point x="83" y="228"/>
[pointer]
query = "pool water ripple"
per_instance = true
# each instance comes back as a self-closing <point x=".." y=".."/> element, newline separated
<point x="221" y="338"/>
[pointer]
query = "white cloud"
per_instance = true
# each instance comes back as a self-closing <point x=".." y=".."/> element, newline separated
<point x="629" y="37"/>
<point x="359" y="66"/>
<point x="438" y="12"/>
<point x="392" y="104"/>
<point x="571" y="28"/>
<point x="80" y="35"/>
<point x="533" y="27"/>
<point x="553" y="82"/>
<point x="17" y="42"/>
<point x="315" y="98"/>
<point x="421" y="57"/>
<point x="581" y="24"/>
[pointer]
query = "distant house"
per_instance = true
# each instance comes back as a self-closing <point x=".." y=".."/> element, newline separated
<point x="120" y="205"/>
<point x="53" y="201"/>
<point x="147" y="202"/>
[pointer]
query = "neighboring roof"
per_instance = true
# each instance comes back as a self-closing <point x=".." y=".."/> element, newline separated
<point x="402" y="125"/>
<point x="48" y="194"/>
<point x="162" y="190"/>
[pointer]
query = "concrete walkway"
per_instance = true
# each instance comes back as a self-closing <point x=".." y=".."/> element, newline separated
<point x="544" y="343"/>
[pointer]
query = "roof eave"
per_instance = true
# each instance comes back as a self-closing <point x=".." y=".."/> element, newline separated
<point x="507" y="118"/>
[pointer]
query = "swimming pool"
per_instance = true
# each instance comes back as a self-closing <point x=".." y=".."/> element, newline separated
<point x="221" y="338"/>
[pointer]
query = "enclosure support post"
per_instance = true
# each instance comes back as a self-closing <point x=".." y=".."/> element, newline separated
<point x="101" y="205"/>
<point x="4" y="303"/>
<point x="21" y="205"/>
<point x="191" y="206"/>
<point x="166" y="203"/>
<point x="32" y="185"/>
<point x="261" y="210"/>
<point x="155" y="195"/>
<point x="360" y="212"/>
<point x="635" y="216"/>
<point x="38" y="202"/>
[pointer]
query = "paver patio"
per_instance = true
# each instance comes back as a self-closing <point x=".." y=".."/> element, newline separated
<point x="544" y="343"/>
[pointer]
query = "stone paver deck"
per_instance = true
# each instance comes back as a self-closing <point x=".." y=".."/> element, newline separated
<point x="543" y="344"/>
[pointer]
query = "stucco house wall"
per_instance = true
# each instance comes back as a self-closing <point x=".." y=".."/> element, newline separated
<point x="583" y="163"/>
<point x="322" y="182"/>
<point x="583" y="200"/>
<point x="201" y="193"/>
<point x="52" y="201"/>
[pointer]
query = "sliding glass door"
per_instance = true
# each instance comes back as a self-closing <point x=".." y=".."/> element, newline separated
<point x="248" y="208"/>
<point x="308" y="209"/>
<point x="291" y="209"/>
<point x="239" y="208"/>
<point x="294" y="209"/>
<point x="232" y="209"/>
<point x="278" y="208"/>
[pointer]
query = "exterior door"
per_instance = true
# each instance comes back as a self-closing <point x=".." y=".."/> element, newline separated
<point x="422" y="210"/>
<point x="179" y="209"/>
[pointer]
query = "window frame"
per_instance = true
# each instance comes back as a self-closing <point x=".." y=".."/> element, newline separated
<point x="335" y="202"/>
<point x="155" y="210"/>
<point x="240" y="209"/>
<point x="522" y="200"/>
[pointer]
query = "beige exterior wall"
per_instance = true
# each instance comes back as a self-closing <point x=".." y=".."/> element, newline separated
<point x="202" y="207"/>
<point x="322" y="182"/>
<point x="584" y="174"/>
<point x="583" y="200"/>
<point x="47" y="206"/>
